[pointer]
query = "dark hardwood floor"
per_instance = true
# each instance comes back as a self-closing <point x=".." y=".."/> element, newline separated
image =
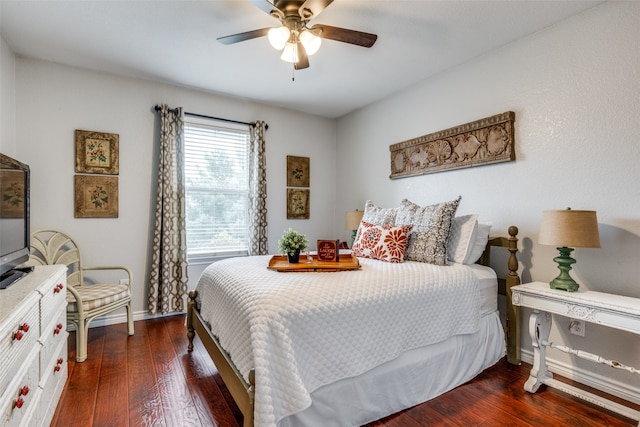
<point x="150" y="379"/>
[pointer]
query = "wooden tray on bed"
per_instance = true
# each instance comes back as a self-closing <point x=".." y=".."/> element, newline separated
<point x="346" y="262"/>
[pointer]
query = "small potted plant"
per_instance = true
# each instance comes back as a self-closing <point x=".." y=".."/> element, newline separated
<point x="292" y="243"/>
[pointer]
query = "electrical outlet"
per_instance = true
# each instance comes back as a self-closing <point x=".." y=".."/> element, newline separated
<point x="124" y="281"/>
<point x="577" y="327"/>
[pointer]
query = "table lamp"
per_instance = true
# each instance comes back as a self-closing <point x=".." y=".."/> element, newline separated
<point x="352" y="222"/>
<point x="568" y="229"/>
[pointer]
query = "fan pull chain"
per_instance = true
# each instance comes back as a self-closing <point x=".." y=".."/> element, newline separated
<point x="293" y="72"/>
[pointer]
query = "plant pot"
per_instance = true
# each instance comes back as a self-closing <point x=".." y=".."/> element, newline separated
<point x="294" y="257"/>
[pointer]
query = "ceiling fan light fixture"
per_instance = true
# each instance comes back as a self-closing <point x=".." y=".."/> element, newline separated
<point x="278" y="37"/>
<point x="310" y="41"/>
<point x="290" y="53"/>
<point x="295" y="41"/>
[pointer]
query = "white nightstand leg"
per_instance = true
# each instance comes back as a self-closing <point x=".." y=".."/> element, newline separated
<point x="539" y="328"/>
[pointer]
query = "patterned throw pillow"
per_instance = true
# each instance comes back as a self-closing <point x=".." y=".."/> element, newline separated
<point x="376" y="215"/>
<point x="430" y="232"/>
<point x="386" y="243"/>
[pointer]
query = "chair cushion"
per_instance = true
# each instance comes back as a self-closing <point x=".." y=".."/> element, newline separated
<point x="94" y="296"/>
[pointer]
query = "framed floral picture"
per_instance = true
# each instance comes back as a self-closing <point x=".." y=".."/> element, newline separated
<point x="297" y="203"/>
<point x="12" y="194"/>
<point x="97" y="152"/>
<point x="297" y="171"/>
<point x="96" y="196"/>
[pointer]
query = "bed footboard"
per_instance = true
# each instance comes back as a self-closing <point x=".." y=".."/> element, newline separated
<point x="241" y="391"/>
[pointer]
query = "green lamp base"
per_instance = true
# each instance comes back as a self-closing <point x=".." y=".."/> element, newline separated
<point x="564" y="281"/>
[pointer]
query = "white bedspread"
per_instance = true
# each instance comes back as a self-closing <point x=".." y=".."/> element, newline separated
<point x="301" y="331"/>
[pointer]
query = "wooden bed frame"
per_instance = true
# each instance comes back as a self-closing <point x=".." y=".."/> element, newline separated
<point x="243" y="392"/>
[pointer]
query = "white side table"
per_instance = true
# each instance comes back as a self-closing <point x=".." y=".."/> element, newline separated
<point x="609" y="310"/>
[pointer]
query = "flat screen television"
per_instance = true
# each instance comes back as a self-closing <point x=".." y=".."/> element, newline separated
<point x="14" y="219"/>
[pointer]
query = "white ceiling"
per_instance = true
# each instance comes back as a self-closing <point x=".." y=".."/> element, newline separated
<point x="175" y="42"/>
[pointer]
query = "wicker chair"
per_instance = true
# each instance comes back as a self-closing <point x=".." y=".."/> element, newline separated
<point x="85" y="301"/>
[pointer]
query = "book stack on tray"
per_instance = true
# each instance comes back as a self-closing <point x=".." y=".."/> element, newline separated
<point x="329" y="250"/>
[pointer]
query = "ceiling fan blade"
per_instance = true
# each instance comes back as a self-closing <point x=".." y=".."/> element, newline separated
<point x="303" y="58"/>
<point x="312" y="8"/>
<point x="344" y="35"/>
<point x="240" y="37"/>
<point x="269" y="7"/>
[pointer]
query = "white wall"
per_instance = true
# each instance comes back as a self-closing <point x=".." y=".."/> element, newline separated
<point x="575" y="89"/>
<point x="54" y="100"/>
<point x="7" y="100"/>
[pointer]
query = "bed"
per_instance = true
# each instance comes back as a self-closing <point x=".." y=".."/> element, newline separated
<point x="350" y="347"/>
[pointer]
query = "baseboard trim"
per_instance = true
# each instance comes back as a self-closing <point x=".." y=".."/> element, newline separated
<point x="591" y="379"/>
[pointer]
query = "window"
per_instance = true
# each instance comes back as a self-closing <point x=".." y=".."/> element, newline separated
<point x="217" y="188"/>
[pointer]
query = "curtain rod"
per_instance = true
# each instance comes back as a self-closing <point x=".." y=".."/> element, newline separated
<point x="175" y="110"/>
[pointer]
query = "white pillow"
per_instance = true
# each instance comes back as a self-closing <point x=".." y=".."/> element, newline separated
<point x="482" y="237"/>
<point x="462" y="238"/>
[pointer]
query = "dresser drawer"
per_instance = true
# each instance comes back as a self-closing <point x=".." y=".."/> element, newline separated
<point x="54" y="296"/>
<point x="20" y="397"/>
<point x="54" y="335"/>
<point x="18" y="338"/>
<point x="53" y="381"/>
<point x="32" y="320"/>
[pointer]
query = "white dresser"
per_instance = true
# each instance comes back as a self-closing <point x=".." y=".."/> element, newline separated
<point x="33" y="347"/>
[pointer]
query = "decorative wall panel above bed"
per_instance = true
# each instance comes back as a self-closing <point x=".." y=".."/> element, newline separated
<point x="482" y="142"/>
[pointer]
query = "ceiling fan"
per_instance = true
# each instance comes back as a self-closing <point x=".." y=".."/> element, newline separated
<point x="296" y="40"/>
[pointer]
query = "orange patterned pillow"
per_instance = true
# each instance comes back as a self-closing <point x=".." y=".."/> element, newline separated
<point x="386" y="243"/>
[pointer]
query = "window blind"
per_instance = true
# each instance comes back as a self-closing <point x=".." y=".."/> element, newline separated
<point x="217" y="188"/>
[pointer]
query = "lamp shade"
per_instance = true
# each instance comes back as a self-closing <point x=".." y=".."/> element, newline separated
<point x="569" y="228"/>
<point x="278" y="37"/>
<point x="352" y="219"/>
<point x="290" y="53"/>
<point x="310" y="41"/>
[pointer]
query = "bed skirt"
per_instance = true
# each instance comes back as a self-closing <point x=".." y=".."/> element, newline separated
<point x="415" y="377"/>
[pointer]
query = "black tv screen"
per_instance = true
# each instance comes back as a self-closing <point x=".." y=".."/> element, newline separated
<point x="14" y="217"/>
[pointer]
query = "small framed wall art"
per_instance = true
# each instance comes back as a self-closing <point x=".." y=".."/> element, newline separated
<point x="97" y="152"/>
<point x="297" y="203"/>
<point x="96" y="196"/>
<point x="297" y="171"/>
<point x="12" y="194"/>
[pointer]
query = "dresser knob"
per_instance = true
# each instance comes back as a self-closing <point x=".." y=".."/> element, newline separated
<point x="24" y="391"/>
<point x="18" y="403"/>
<point x="58" y="329"/>
<point x="57" y="367"/>
<point x="22" y="329"/>
<point x="59" y="287"/>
